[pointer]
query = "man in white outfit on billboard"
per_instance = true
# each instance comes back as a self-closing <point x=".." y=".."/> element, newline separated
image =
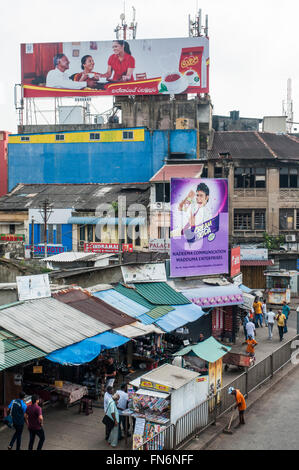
<point x="59" y="78"/>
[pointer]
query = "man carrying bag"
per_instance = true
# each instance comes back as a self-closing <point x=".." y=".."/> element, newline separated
<point x="17" y="410"/>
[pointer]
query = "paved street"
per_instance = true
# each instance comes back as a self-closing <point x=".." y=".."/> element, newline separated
<point x="271" y="424"/>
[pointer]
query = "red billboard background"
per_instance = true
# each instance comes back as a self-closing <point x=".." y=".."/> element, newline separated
<point x="235" y="263"/>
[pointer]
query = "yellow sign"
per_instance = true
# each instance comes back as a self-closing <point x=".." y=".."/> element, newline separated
<point x="201" y="379"/>
<point x="146" y="384"/>
<point x="162" y="388"/>
<point x="37" y="369"/>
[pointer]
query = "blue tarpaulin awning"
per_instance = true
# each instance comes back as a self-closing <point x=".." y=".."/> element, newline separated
<point x="87" y="350"/>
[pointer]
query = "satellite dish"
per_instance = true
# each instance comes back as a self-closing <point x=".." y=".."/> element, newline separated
<point x="122" y="16"/>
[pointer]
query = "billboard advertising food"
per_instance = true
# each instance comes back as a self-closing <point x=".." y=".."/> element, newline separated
<point x="199" y="227"/>
<point x="136" y="67"/>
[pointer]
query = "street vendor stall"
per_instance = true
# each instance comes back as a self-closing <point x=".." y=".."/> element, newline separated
<point x="161" y="397"/>
<point x="206" y="359"/>
<point x="280" y="285"/>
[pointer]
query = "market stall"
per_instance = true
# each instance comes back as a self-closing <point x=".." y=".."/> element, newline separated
<point x="160" y="397"/>
<point x="206" y="359"/>
<point x="280" y="285"/>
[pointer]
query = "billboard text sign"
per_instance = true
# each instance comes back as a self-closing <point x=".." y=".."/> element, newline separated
<point x="235" y="261"/>
<point x="94" y="247"/>
<point x="138" y="67"/>
<point x="199" y="227"/>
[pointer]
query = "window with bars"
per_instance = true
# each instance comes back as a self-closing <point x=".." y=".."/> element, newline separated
<point x="286" y="219"/>
<point x="128" y="135"/>
<point x="250" y="178"/>
<point x="297" y="219"/>
<point x="25" y="138"/>
<point x="253" y="219"/>
<point x="95" y="136"/>
<point x="289" y="178"/>
<point x="59" y="137"/>
<point x="218" y="172"/>
<point x="162" y="192"/>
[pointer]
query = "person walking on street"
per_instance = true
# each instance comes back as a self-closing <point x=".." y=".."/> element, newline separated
<point x="110" y="372"/>
<point x="112" y="413"/>
<point x="17" y="409"/>
<point x="264" y="310"/>
<point x="240" y="403"/>
<point x="245" y="321"/>
<point x="34" y="420"/>
<point x="270" y="320"/>
<point x="250" y="328"/>
<point x="286" y="310"/>
<point x="121" y="406"/>
<point x="280" y="318"/>
<point x="258" y="317"/>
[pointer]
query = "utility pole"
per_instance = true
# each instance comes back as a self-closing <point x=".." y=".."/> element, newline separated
<point x="45" y="211"/>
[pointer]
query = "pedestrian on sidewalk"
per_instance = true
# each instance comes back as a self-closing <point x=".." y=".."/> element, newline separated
<point x="112" y="413"/>
<point x="34" y="420"/>
<point x="264" y="310"/>
<point x="122" y="405"/>
<point x="245" y="321"/>
<point x="258" y="313"/>
<point x="270" y="320"/>
<point x="251" y="343"/>
<point x="286" y="310"/>
<point x="250" y="329"/>
<point x="17" y="409"/>
<point x="280" y="318"/>
<point x="240" y="403"/>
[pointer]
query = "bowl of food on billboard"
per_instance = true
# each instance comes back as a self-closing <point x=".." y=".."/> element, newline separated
<point x="174" y="83"/>
<point x="116" y="67"/>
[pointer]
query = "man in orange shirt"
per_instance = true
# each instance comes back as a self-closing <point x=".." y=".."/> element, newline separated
<point x="240" y="402"/>
<point x="251" y="343"/>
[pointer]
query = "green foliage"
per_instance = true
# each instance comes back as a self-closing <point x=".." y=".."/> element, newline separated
<point x="273" y="242"/>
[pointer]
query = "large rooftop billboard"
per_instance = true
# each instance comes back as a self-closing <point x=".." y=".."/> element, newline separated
<point x="136" y="67"/>
<point x="199" y="227"/>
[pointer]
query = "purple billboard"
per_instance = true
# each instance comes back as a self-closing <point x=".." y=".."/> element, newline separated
<point x="199" y="227"/>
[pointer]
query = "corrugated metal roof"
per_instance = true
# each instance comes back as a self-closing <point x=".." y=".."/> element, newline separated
<point x="192" y="170"/>
<point x="132" y="294"/>
<point x="160" y="293"/>
<point x="170" y="376"/>
<point x="49" y="324"/>
<point x="257" y="262"/>
<point x="180" y="316"/>
<point x="137" y="329"/>
<point x="72" y="256"/>
<point x="160" y="311"/>
<point x="209" y="350"/>
<point x="94" y="307"/>
<point x="121" y="302"/>
<point x="16" y="351"/>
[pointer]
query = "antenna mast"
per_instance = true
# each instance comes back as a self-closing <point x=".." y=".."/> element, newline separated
<point x="122" y="29"/>
<point x="195" y="26"/>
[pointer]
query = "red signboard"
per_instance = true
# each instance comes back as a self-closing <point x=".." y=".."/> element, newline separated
<point x="95" y="247"/>
<point x="5" y="237"/>
<point x="235" y="261"/>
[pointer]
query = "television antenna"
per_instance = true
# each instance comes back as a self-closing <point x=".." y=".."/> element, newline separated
<point x="195" y="27"/>
<point x="287" y="108"/>
<point x="125" y="31"/>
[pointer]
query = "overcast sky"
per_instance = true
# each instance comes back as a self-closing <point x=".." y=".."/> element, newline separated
<point x="253" y="45"/>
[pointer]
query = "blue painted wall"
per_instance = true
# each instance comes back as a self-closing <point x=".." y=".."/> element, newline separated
<point x="103" y="162"/>
<point x="66" y="235"/>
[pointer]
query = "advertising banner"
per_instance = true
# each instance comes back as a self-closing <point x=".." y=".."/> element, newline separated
<point x="235" y="261"/>
<point x="136" y="67"/>
<point x="39" y="250"/>
<point x="95" y="247"/>
<point x="199" y="227"/>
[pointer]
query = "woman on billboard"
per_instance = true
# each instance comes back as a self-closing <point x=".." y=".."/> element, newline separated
<point x="120" y="63"/>
<point x="87" y="65"/>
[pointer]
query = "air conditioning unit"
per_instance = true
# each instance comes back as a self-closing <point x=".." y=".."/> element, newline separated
<point x="158" y="205"/>
<point x="290" y="238"/>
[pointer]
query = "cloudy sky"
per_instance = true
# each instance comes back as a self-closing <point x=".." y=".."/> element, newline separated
<point x="253" y="45"/>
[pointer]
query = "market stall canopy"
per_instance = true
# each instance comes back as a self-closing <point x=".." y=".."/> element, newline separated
<point x="15" y="351"/>
<point x="209" y="350"/>
<point x="121" y="302"/>
<point x="87" y="350"/>
<point x="48" y="324"/>
<point x="94" y="307"/>
<point x="167" y="375"/>
<point x="138" y="329"/>
<point x="160" y="293"/>
<point x="215" y="296"/>
<point x="178" y="317"/>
